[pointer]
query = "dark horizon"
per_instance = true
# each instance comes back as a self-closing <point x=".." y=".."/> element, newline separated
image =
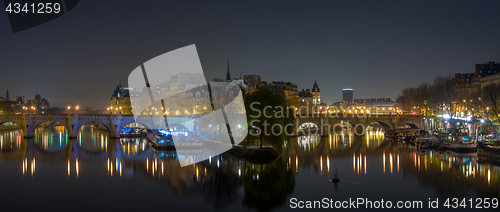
<point x="376" y="48"/>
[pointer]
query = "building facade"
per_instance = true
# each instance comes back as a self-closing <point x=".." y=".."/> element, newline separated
<point x="120" y="101"/>
<point x="382" y="106"/>
<point x="19" y="105"/>
<point x="310" y="100"/>
<point x="285" y="89"/>
<point x="347" y="95"/>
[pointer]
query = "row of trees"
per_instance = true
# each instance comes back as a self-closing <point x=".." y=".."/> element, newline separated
<point x="445" y="95"/>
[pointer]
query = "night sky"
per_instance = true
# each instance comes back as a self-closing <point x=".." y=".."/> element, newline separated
<point x="375" y="47"/>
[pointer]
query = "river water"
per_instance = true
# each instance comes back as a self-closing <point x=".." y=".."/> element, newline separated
<point x="95" y="172"/>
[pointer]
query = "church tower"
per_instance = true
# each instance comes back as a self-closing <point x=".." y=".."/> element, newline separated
<point x="228" y="76"/>
<point x="7" y="95"/>
<point x="316" y="94"/>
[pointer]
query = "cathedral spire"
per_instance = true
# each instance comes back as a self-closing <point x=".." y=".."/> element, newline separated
<point x="315" y="86"/>
<point x="228" y="76"/>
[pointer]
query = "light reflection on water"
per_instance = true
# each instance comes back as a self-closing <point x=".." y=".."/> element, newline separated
<point x="10" y="140"/>
<point x="368" y="166"/>
<point x="51" y="138"/>
<point x="93" y="138"/>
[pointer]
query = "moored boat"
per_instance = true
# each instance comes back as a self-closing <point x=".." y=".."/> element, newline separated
<point x="427" y="142"/>
<point x="489" y="150"/>
<point x="131" y="132"/>
<point x="164" y="140"/>
<point x="458" y="143"/>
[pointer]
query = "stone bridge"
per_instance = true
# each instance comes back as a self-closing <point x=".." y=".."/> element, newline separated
<point x="327" y="122"/>
<point x="73" y="122"/>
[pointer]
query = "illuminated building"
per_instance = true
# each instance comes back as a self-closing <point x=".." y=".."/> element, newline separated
<point x="38" y="102"/>
<point x="367" y="106"/>
<point x="285" y="89"/>
<point x="19" y="105"/>
<point x="120" y="101"/>
<point x="310" y="99"/>
<point x="347" y="95"/>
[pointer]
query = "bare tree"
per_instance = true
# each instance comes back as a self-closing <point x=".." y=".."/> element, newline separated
<point x="491" y="95"/>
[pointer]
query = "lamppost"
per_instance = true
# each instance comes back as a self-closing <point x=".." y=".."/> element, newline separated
<point x="69" y="107"/>
<point x="77" y="107"/>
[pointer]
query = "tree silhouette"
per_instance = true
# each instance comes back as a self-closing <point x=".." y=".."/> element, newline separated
<point x="265" y="110"/>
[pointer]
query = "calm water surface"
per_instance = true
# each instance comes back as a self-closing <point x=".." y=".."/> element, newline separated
<point x="95" y="172"/>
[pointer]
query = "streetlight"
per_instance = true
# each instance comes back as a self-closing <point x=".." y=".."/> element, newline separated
<point x="69" y="107"/>
<point x="77" y="107"/>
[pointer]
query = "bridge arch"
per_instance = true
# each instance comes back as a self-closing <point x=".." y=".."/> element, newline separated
<point x="36" y="126"/>
<point x="147" y="123"/>
<point x="8" y="123"/>
<point x="307" y="125"/>
<point x="93" y="123"/>
<point x="142" y="125"/>
<point x="340" y="124"/>
<point x="177" y="127"/>
<point x="16" y="120"/>
<point x="34" y="129"/>
<point x="84" y="122"/>
<point x="384" y="125"/>
<point x="410" y="126"/>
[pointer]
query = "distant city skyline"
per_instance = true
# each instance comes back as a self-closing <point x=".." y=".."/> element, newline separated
<point x="376" y="48"/>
